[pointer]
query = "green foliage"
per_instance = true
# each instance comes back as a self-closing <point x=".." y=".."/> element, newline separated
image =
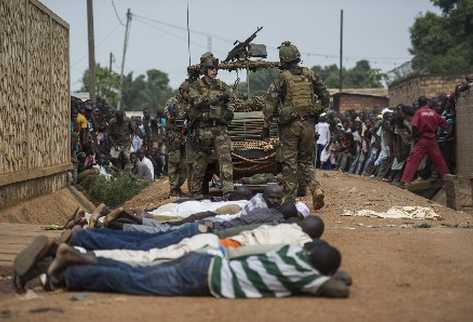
<point x="259" y="81"/>
<point x="112" y="192"/>
<point x="443" y="44"/>
<point x="107" y="84"/>
<point x="145" y="91"/>
<point x="360" y="76"/>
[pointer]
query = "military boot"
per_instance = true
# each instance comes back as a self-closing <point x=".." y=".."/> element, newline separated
<point x="318" y="196"/>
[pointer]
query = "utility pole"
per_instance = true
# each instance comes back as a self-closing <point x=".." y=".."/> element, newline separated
<point x="341" y="51"/>
<point x="122" y="68"/>
<point x="90" y="30"/>
<point x="110" y="62"/>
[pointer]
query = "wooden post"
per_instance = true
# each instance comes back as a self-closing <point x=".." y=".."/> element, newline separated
<point x="90" y="31"/>
<point x="341" y="52"/>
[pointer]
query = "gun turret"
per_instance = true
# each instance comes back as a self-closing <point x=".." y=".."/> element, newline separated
<point x="240" y="51"/>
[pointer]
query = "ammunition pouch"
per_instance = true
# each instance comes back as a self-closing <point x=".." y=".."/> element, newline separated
<point x="215" y="115"/>
<point x="288" y="114"/>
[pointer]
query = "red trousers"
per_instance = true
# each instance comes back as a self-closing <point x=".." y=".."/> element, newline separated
<point x="424" y="146"/>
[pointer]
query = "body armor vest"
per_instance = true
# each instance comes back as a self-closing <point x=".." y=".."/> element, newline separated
<point x="213" y="112"/>
<point x="299" y="92"/>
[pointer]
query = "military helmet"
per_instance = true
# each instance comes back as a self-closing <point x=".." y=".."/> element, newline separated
<point x="208" y="60"/>
<point x="288" y="53"/>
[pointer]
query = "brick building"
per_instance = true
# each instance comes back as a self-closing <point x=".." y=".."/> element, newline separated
<point x="409" y="89"/>
<point x="344" y="101"/>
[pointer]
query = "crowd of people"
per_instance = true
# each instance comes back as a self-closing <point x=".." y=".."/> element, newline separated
<point x="192" y="134"/>
<point x="107" y="140"/>
<point x="251" y="246"/>
<point x="393" y="144"/>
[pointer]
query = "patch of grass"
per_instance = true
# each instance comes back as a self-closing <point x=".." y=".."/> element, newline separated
<point x="112" y="192"/>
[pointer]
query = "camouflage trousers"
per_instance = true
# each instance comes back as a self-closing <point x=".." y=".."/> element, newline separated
<point x="297" y="155"/>
<point x="206" y="141"/>
<point x="177" y="167"/>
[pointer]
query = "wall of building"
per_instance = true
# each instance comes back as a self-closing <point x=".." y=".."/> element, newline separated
<point x="464" y="132"/>
<point x="34" y="101"/>
<point x="343" y="102"/>
<point x="407" y="91"/>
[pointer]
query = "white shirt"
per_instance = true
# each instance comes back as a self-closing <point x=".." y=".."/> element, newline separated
<point x="146" y="173"/>
<point x="272" y="235"/>
<point x="323" y="130"/>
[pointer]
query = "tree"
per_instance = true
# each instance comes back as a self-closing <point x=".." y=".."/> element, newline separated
<point x="259" y="81"/>
<point x="132" y="91"/>
<point x="444" y="43"/>
<point x="360" y="76"/>
<point x="157" y="90"/>
<point x="107" y="84"/>
<point x="145" y="91"/>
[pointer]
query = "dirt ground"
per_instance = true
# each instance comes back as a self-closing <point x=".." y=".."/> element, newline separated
<point x="401" y="273"/>
<point x="48" y="209"/>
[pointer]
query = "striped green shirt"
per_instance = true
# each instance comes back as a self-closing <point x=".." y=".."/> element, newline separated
<point x="280" y="273"/>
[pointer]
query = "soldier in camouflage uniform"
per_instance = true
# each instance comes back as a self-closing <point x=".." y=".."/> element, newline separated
<point x="176" y="111"/>
<point x="211" y="112"/>
<point x="297" y="96"/>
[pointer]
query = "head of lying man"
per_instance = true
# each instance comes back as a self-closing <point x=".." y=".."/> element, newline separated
<point x="324" y="257"/>
<point x="273" y="195"/>
<point x="312" y="226"/>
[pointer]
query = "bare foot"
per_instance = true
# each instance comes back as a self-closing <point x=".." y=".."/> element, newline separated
<point x="76" y="219"/>
<point x="113" y="215"/>
<point x="65" y="256"/>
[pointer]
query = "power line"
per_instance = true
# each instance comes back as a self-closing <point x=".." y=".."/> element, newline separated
<point x="170" y="25"/>
<point x="117" y="15"/>
<point x="168" y="33"/>
<point x="100" y="43"/>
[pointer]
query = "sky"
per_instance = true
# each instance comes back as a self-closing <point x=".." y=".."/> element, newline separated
<point x="377" y="30"/>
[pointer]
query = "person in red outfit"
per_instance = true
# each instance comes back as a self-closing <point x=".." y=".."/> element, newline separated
<point x="425" y="124"/>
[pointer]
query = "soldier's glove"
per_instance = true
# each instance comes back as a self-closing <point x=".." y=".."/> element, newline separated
<point x="265" y="133"/>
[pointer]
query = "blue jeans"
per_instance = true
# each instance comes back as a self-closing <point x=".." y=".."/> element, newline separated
<point x="96" y="239"/>
<point x="187" y="275"/>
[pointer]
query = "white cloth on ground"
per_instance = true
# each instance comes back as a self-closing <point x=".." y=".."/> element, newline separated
<point x="187" y="208"/>
<point x="406" y="212"/>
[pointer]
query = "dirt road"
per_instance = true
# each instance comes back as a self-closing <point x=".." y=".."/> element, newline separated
<point x="400" y="273"/>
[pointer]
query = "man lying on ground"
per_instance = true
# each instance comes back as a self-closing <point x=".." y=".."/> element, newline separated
<point x="304" y="232"/>
<point x="120" y="219"/>
<point x="311" y="228"/>
<point x="276" y="271"/>
<point x="97" y="239"/>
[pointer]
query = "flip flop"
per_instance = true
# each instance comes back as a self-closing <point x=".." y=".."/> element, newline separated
<point x="19" y="282"/>
<point x="26" y="259"/>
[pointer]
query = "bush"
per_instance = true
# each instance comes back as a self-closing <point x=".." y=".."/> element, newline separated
<point x="112" y="192"/>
